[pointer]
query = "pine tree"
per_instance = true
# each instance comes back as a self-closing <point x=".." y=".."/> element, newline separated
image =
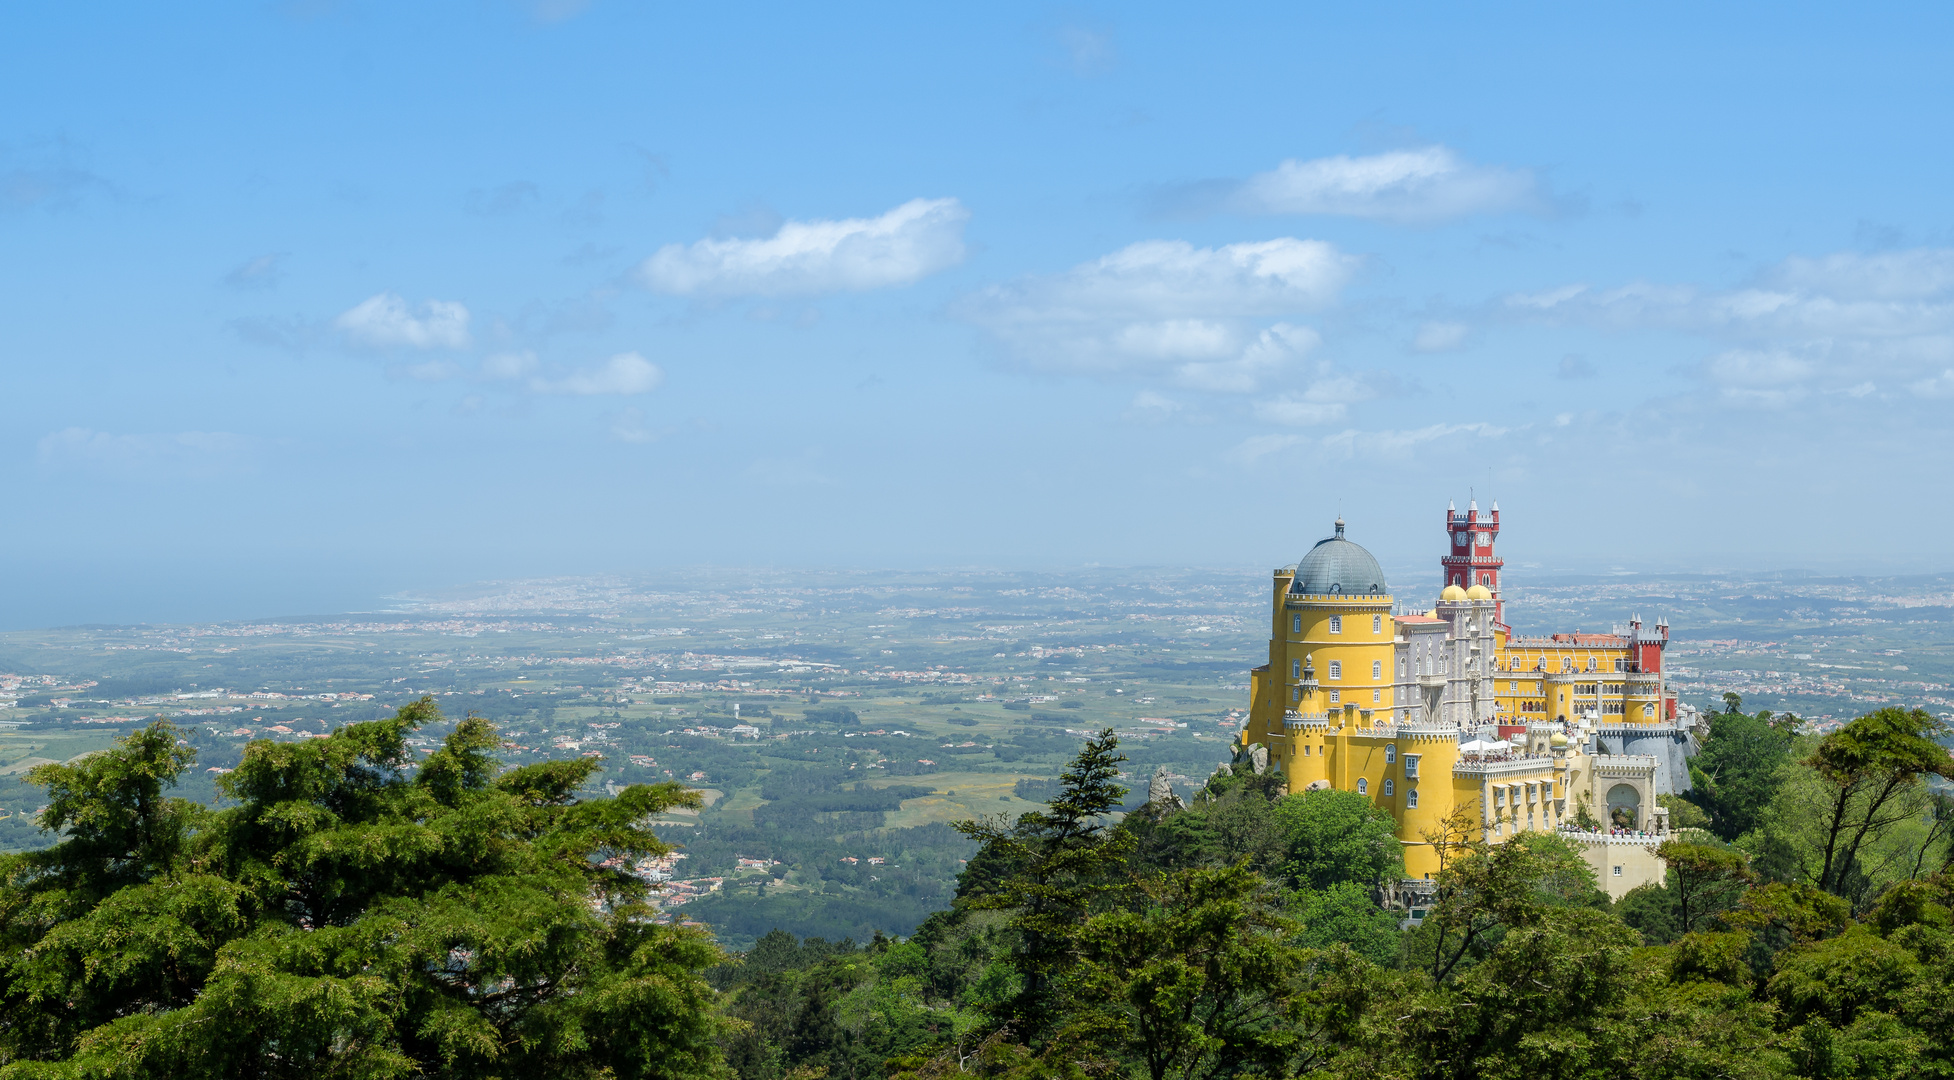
<point x="351" y="916"/>
<point x="1066" y="859"/>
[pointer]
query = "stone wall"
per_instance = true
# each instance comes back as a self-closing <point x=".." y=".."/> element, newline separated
<point x="1669" y="744"/>
<point x="1621" y="863"/>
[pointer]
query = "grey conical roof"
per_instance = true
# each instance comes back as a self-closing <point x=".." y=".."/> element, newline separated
<point x="1336" y="565"/>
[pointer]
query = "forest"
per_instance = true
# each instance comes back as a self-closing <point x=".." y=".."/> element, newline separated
<point x="352" y="912"/>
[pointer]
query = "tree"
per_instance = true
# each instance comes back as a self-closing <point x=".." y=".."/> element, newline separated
<point x="350" y="916"/>
<point x="1707" y="879"/>
<point x="1740" y="770"/>
<point x="1337" y="836"/>
<point x="1065" y="858"/>
<point x="1345" y="914"/>
<point x="1196" y="983"/>
<point x="1487" y="888"/>
<point x="1869" y="769"/>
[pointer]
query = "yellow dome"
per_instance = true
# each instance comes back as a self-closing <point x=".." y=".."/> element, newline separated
<point x="1559" y="740"/>
<point x="1479" y="592"/>
<point x="1453" y="592"/>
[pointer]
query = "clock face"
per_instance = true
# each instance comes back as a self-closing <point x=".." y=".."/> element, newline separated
<point x="1458" y="539"/>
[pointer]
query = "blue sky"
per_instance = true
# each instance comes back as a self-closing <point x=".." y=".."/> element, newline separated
<point x="308" y="303"/>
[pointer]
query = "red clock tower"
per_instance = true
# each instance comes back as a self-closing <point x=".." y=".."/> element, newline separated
<point x="1469" y="558"/>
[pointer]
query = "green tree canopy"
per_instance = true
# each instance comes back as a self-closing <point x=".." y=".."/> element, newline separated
<point x="352" y="915"/>
<point x="1739" y="770"/>
<point x="1064" y="858"/>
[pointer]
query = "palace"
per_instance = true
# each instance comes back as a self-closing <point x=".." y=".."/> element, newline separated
<point x="1426" y="711"/>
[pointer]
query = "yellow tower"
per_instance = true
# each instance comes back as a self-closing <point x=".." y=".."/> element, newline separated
<point x="1330" y="655"/>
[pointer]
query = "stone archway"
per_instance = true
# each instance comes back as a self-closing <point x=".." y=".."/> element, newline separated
<point x="1625" y="806"/>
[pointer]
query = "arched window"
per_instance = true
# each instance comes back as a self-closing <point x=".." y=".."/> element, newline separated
<point x="1363" y="786"/>
<point x="1295" y="624"/>
<point x="1390" y="753"/>
<point x="1411" y="798"/>
<point x="1388" y="785"/>
<point x="1336" y="669"/>
<point x="1336" y="624"/>
<point x="1295" y="669"/>
<point x="1377" y="669"/>
<point x="1377" y="624"/>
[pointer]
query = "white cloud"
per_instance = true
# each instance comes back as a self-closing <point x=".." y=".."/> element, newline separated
<point x="1547" y="300"/>
<point x="1270" y="352"/>
<point x="1153" y="405"/>
<point x="1427" y="184"/>
<point x="262" y="272"/>
<point x="1295" y="412"/>
<point x="385" y="320"/>
<point x="1754" y="369"/>
<point x="623" y="374"/>
<point x="1326" y="401"/>
<point x="184" y="455"/>
<point x="1439" y="337"/>
<point x="908" y="243"/>
<point x="1256" y="447"/>
<point x="508" y="365"/>
<point x="1935" y="386"/>
<point x="1830" y="323"/>
<point x="1401" y="443"/>
<point x="628" y="425"/>
<point x="1370" y="444"/>
<point x="430" y="371"/>
<point x="1165" y="307"/>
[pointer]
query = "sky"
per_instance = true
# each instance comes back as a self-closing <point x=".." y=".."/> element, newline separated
<point x="304" y="305"/>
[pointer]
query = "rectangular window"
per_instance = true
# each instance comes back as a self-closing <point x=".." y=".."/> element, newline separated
<point x="1336" y="696"/>
<point x="1336" y="624"/>
<point x="1336" y="669"/>
<point x="1305" y="749"/>
<point x="1295" y="624"/>
<point x="1516" y="687"/>
<point x="1618" y="871"/>
<point x="1377" y="697"/>
<point x="1377" y="669"/>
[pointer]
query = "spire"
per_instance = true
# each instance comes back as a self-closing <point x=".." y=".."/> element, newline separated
<point x="1339" y="528"/>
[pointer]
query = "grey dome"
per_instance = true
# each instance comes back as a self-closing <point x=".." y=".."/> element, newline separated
<point x="1338" y="566"/>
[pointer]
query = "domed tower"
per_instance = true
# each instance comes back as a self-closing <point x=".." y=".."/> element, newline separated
<point x="1330" y="653"/>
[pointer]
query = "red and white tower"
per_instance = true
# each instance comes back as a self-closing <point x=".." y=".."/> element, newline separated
<point x="1469" y="558"/>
